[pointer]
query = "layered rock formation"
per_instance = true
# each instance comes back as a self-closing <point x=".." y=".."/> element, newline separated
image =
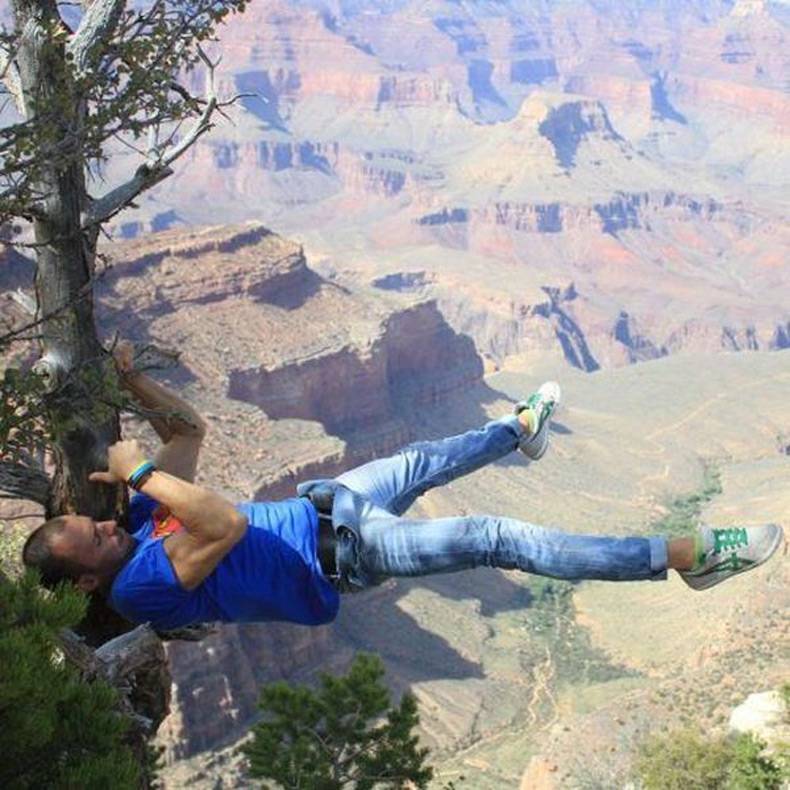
<point x="471" y="188"/>
<point x="416" y="361"/>
<point x="260" y="327"/>
<point x="634" y="153"/>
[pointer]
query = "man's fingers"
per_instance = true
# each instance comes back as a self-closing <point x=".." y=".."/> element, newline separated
<point x="101" y="477"/>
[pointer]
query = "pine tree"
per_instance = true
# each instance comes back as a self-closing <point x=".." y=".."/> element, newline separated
<point x="344" y="734"/>
<point x="58" y="731"/>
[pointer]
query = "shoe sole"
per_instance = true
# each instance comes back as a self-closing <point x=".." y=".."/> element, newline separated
<point x="713" y="580"/>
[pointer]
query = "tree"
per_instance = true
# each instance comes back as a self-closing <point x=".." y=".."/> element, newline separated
<point x="115" y="78"/>
<point x="58" y="730"/>
<point x="345" y="734"/>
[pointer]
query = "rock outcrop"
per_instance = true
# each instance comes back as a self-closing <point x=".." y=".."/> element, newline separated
<point x="764" y="715"/>
<point x="415" y="362"/>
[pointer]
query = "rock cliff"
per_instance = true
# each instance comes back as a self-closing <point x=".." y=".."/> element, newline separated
<point x="415" y="362"/>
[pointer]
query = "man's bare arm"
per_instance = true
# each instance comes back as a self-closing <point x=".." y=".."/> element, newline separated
<point x="181" y="430"/>
<point x="212" y="524"/>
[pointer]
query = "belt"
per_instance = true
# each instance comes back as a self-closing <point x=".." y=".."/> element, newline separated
<point x="327" y="539"/>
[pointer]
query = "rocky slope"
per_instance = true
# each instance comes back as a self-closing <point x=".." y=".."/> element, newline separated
<point x="321" y="394"/>
<point x="501" y="674"/>
<point x="291" y="392"/>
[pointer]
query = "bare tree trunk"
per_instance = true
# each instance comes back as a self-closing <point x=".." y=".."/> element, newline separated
<point x="72" y="357"/>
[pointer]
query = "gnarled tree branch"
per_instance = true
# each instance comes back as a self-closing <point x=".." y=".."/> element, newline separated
<point x="119" y="198"/>
<point x="19" y="481"/>
<point x="95" y="31"/>
<point x="157" y="167"/>
<point x="9" y="75"/>
<point x="133" y="663"/>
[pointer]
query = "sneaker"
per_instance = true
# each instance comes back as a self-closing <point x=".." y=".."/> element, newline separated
<point x="541" y="404"/>
<point x="722" y="553"/>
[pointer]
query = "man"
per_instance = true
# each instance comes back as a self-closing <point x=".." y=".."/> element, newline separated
<point x="195" y="557"/>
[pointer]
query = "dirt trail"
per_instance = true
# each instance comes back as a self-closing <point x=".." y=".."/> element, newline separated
<point x="543" y="675"/>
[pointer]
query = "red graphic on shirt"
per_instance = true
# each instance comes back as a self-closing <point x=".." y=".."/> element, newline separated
<point x="165" y="523"/>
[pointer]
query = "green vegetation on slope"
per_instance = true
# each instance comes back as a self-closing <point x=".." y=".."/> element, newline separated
<point x="688" y="760"/>
<point x="684" y="511"/>
<point x="551" y="623"/>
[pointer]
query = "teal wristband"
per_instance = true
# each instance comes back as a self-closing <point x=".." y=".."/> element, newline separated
<point x="140" y="474"/>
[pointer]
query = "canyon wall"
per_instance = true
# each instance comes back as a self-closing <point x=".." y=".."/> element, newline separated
<point x="635" y="153"/>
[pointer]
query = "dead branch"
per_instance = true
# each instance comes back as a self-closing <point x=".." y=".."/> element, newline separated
<point x="25" y="301"/>
<point x="133" y="663"/>
<point x="96" y="29"/>
<point x="9" y="75"/>
<point x="157" y="167"/>
<point x="21" y="481"/>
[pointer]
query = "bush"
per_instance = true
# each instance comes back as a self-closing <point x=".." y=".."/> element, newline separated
<point x="58" y="731"/>
<point x="687" y="760"/>
<point x="345" y="734"/>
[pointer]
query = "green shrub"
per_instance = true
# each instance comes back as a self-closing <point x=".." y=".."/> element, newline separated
<point x="687" y="760"/>
<point x="345" y="734"/>
<point x="57" y="730"/>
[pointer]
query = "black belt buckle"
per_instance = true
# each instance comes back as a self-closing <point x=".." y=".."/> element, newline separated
<point x="322" y="497"/>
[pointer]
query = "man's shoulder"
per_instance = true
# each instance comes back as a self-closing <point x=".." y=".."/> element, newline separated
<point x="149" y="566"/>
<point x="146" y="589"/>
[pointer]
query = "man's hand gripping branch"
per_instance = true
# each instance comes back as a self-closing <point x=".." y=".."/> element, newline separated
<point x="212" y="525"/>
<point x="175" y="421"/>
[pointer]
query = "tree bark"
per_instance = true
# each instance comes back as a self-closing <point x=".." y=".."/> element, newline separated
<point x="72" y="357"/>
<point x="136" y="666"/>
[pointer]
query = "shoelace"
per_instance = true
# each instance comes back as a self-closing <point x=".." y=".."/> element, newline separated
<point x="729" y="539"/>
<point x="540" y="408"/>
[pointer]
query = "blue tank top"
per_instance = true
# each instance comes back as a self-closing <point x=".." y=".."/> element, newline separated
<point x="272" y="573"/>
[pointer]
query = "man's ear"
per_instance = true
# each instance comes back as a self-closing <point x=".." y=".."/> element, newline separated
<point x="88" y="582"/>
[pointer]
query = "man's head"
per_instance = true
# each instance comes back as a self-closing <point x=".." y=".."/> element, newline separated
<point x="89" y="553"/>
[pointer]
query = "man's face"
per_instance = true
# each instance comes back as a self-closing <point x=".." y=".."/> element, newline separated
<point x="102" y="547"/>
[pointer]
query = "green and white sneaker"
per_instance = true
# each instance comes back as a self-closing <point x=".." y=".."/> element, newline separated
<point x="540" y="406"/>
<point x="722" y="553"/>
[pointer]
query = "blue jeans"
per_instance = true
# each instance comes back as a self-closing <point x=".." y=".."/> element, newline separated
<point x="376" y="542"/>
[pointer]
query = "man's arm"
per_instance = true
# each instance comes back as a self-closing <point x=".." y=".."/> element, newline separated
<point x="182" y="430"/>
<point x="213" y="526"/>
